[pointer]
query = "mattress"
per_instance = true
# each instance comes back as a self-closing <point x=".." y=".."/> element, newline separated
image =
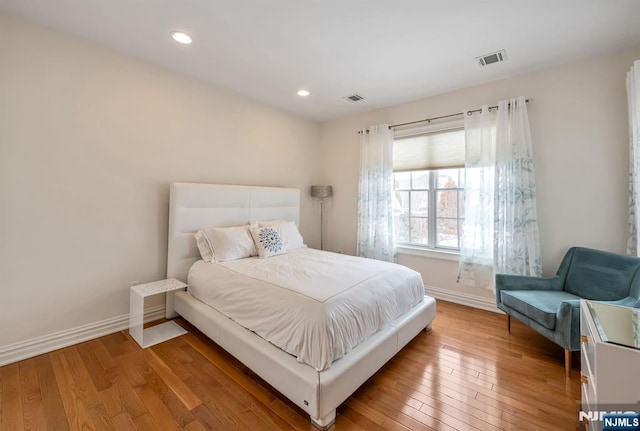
<point x="312" y="304"/>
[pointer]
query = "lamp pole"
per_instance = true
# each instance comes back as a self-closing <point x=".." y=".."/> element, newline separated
<point x="321" y="193"/>
<point x="321" y="224"/>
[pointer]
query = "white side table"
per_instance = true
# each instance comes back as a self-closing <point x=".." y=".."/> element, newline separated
<point x="158" y="333"/>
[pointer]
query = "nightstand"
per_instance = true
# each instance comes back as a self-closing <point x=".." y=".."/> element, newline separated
<point x="158" y="333"/>
<point x="610" y="346"/>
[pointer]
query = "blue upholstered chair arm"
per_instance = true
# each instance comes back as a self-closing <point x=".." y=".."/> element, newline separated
<point x="568" y="324"/>
<point x="628" y="301"/>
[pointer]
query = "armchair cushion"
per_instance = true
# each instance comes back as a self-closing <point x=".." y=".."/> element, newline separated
<point x="541" y="306"/>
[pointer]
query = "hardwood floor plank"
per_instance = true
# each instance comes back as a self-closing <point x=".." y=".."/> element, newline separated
<point x="75" y="409"/>
<point x="52" y="406"/>
<point x="123" y="422"/>
<point x="182" y="391"/>
<point x="215" y="420"/>
<point x="122" y="398"/>
<point x="12" y="417"/>
<point x="82" y="383"/>
<point x="238" y="377"/>
<point x="146" y="422"/>
<point x="360" y="419"/>
<point x="543" y="399"/>
<point x="112" y="344"/>
<point x="344" y="424"/>
<point x="133" y="368"/>
<point x="224" y="400"/>
<point x="290" y="413"/>
<point x="170" y="353"/>
<point x="100" y="377"/>
<point x="102" y="354"/>
<point x="32" y="407"/>
<point x="157" y="409"/>
<point x="178" y="411"/>
<point x="100" y="418"/>
<point x="404" y="415"/>
<point x="355" y="403"/>
<point x="465" y="374"/>
<point x="223" y="362"/>
<point x="196" y="426"/>
<point x="462" y="405"/>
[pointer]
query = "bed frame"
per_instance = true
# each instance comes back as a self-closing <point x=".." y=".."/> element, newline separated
<point x="194" y="206"/>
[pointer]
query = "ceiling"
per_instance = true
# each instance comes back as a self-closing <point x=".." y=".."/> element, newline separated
<point x="389" y="52"/>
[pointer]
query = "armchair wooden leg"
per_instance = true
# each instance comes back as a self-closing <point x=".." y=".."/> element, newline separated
<point x="508" y="323"/>
<point x="567" y="362"/>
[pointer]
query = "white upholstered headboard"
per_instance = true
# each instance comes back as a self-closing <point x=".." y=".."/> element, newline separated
<point x="194" y="206"/>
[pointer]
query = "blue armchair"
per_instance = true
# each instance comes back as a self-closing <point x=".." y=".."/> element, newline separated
<point x="551" y="305"/>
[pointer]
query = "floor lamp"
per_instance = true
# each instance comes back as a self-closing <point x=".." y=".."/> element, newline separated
<point x="321" y="193"/>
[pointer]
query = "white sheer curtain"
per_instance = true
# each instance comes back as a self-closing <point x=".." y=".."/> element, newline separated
<point x="476" y="242"/>
<point x="500" y="232"/>
<point x="375" y="194"/>
<point x="633" y="97"/>
<point x="517" y="242"/>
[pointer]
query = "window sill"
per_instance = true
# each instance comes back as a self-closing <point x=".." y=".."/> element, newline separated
<point x="428" y="252"/>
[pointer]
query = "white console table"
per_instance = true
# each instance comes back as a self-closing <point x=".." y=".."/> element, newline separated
<point x="158" y="333"/>
<point x="610" y="359"/>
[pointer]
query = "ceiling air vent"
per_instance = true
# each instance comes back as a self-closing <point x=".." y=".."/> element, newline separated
<point x="495" y="57"/>
<point x="354" y="98"/>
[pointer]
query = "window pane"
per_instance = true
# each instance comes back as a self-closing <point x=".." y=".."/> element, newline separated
<point x="401" y="202"/>
<point x="419" y="231"/>
<point x="401" y="216"/>
<point x="461" y="183"/>
<point x="447" y="233"/>
<point x="461" y="203"/>
<point x="420" y="180"/>
<point x="447" y="178"/>
<point x="419" y="204"/>
<point x="402" y="180"/>
<point x="448" y="203"/>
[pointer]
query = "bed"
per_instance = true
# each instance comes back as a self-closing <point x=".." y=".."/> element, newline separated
<point x="318" y="390"/>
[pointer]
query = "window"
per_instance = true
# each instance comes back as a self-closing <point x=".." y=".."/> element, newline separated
<point x="429" y="181"/>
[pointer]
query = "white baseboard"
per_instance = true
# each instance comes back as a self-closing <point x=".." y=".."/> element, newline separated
<point x="481" y="302"/>
<point x="47" y="343"/>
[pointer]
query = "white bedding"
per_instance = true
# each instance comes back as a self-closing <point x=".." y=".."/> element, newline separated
<point x="312" y="304"/>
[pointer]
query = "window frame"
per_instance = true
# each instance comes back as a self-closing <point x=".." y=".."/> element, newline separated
<point x="432" y="193"/>
<point x="459" y="220"/>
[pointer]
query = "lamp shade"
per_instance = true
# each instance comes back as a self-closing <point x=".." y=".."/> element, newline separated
<point x="321" y="192"/>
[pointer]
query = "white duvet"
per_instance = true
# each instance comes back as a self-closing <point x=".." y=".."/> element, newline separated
<point x="312" y="304"/>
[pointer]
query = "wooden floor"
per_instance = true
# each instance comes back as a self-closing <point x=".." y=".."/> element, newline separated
<point x="467" y="373"/>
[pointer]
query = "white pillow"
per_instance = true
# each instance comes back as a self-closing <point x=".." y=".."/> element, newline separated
<point x="291" y="237"/>
<point x="204" y="246"/>
<point x="268" y="241"/>
<point x="225" y="243"/>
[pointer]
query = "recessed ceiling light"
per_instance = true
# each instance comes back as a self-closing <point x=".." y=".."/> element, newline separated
<point x="181" y="37"/>
<point x="303" y="93"/>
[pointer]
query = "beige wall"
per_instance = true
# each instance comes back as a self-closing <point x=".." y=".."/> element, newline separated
<point x="89" y="142"/>
<point x="579" y="129"/>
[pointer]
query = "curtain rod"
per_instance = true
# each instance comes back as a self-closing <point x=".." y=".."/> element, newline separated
<point x="428" y="120"/>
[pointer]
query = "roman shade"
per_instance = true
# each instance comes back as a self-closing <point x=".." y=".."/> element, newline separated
<point x="436" y="150"/>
